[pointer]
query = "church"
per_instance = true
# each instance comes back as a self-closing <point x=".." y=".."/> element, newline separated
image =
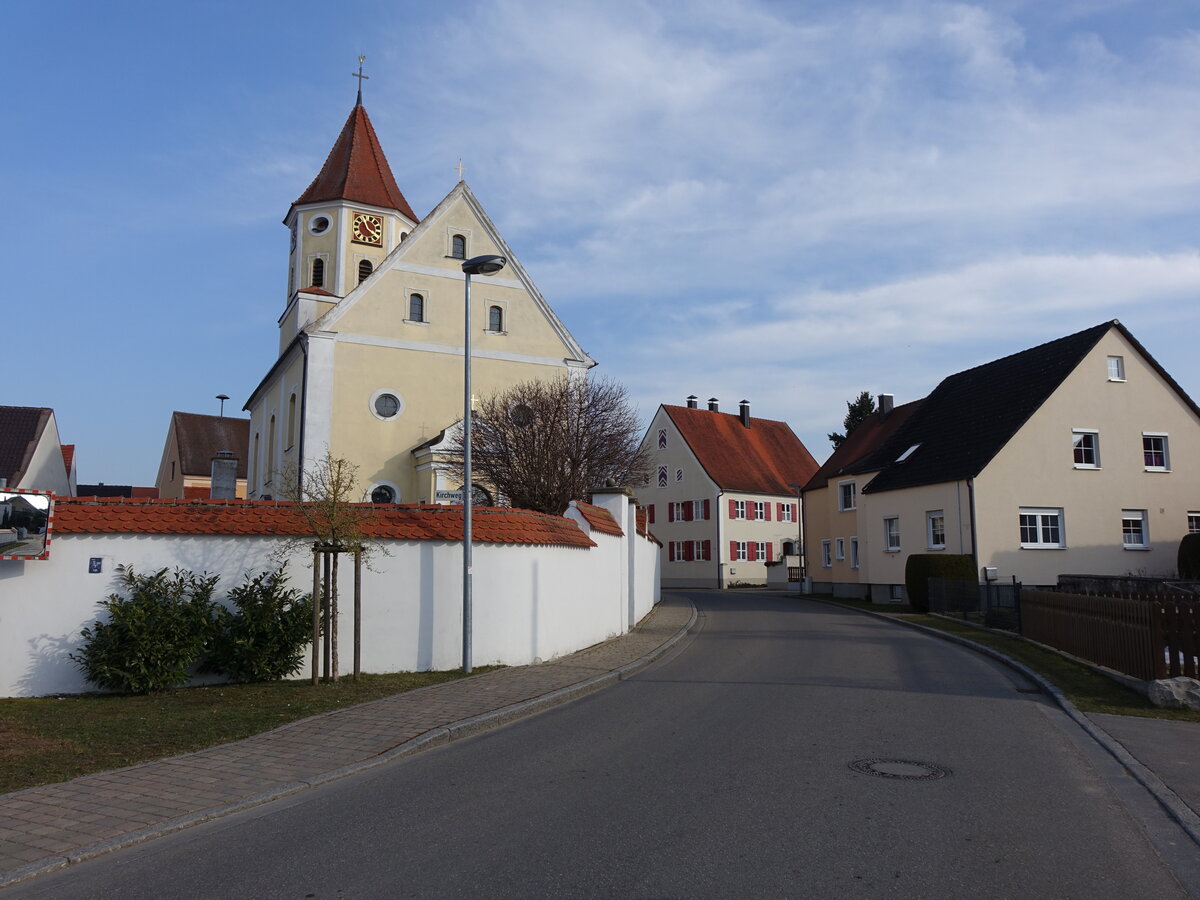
<point x="371" y="336"/>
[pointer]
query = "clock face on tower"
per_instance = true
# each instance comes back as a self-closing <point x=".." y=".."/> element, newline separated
<point x="367" y="229"/>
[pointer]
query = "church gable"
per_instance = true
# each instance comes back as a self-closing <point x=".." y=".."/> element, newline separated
<point x="415" y="296"/>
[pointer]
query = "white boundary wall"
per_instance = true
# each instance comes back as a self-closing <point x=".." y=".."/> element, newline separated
<point x="530" y="603"/>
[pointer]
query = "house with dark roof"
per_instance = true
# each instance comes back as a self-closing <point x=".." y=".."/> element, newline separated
<point x="371" y="330"/>
<point x="722" y="495"/>
<point x="1076" y="456"/>
<point x="193" y="441"/>
<point x="31" y="455"/>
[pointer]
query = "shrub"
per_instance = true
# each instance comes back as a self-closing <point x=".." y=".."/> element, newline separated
<point x="1189" y="557"/>
<point x="152" y="636"/>
<point x="923" y="566"/>
<point x="263" y="637"/>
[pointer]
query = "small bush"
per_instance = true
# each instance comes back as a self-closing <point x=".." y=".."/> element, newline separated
<point x="923" y="566"/>
<point x="263" y="637"/>
<point x="1189" y="557"/>
<point x="153" y="636"/>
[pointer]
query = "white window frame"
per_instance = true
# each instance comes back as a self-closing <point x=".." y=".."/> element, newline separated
<point x="930" y="532"/>
<point x="760" y="551"/>
<point x="854" y="553"/>
<point x="739" y="509"/>
<point x="1078" y="434"/>
<point x="697" y="551"/>
<point x="1166" y="450"/>
<point x="889" y="533"/>
<point x="1116" y="368"/>
<point x="1142" y="518"/>
<point x="785" y="512"/>
<point x="698" y="510"/>
<point x="839" y="549"/>
<point x="760" y="511"/>
<point x="678" y="545"/>
<point x="1042" y="516"/>
<point x="740" y="556"/>
<point x="677" y="510"/>
<point x="826" y="554"/>
<point x="1193" y="521"/>
<point x="853" y="489"/>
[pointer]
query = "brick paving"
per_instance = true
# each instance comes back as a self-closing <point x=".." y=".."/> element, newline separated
<point x="51" y="826"/>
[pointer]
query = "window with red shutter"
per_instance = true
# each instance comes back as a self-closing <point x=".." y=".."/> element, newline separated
<point x="732" y="550"/>
<point x="688" y="554"/>
<point x="732" y="509"/>
<point x="751" y="551"/>
<point x="670" y="551"/>
<point x="670" y="510"/>
<point x="687" y="511"/>
<point x="767" y="506"/>
<point x="770" y="552"/>
<point x="706" y="512"/>
<point x="794" y="518"/>
<point x="706" y="549"/>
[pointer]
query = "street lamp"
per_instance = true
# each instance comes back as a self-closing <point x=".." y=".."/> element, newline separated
<point x="799" y="532"/>
<point x="489" y="264"/>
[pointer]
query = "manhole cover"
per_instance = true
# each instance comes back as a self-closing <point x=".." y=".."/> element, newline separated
<point x="899" y="768"/>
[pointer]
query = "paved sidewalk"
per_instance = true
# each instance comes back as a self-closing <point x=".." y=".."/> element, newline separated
<point x="46" y="828"/>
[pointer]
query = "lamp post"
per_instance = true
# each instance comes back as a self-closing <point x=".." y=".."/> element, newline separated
<point x="799" y="532"/>
<point x="477" y="265"/>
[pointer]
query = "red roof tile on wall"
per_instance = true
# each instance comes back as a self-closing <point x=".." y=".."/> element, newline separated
<point x="765" y="458"/>
<point x="356" y="169"/>
<point x="598" y="518"/>
<point x="265" y="517"/>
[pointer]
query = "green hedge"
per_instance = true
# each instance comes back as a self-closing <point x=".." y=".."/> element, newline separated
<point x="923" y="566"/>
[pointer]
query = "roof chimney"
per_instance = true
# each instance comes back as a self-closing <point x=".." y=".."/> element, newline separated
<point x="887" y="403"/>
<point x="713" y="406"/>
<point x="744" y="412"/>
<point x="224" y="476"/>
<point x="692" y="400"/>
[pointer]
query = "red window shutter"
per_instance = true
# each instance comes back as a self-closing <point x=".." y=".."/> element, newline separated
<point x="732" y="508"/>
<point x="650" y="514"/>
<point x="767" y="510"/>
<point x="687" y="510"/>
<point x="779" y="511"/>
<point x="670" y="550"/>
<point x="733" y="551"/>
<point x="688" y="553"/>
<point x="795" y="518"/>
<point x="670" y="508"/>
<point x="751" y="551"/>
<point x="770" y="552"/>
<point x="706" y="512"/>
<point x="706" y="548"/>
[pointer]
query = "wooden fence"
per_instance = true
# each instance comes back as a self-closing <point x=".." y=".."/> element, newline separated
<point x="1147" y="638"/>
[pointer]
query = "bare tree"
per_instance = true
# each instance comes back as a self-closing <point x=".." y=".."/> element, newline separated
<point x="541" y="444"/>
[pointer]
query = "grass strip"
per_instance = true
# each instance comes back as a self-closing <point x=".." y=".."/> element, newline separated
<point x="51" y="739"/>
<point x="1090" y="691"/>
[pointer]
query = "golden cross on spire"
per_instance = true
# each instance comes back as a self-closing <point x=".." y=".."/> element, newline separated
<point x="459" y="168"/>
<point x="360" y="76"/>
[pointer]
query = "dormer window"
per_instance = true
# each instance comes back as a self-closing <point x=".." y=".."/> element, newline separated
<point x="318" y="272"/>
<point x="364" y="270"/>
<point x="458" y="247"/>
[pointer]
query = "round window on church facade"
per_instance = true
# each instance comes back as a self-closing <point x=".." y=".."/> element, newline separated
<point x="384" y="493"/>
<point x="386" y="405"/>
<point x="318" y="224"/>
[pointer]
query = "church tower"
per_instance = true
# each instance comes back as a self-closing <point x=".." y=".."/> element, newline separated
<point x="343" y="226"/>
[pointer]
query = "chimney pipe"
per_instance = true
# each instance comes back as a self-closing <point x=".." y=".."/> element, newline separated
<point x="887" y="403"/>
<point x="744" y="412"/>
<point x="692" y="400"/>
<point x="713" y="406"/>
<point x="224" y="476"/>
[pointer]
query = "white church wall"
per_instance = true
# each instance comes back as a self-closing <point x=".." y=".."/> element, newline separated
<point x="531" y="603"/>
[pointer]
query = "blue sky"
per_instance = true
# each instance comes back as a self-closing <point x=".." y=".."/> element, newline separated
<point x="788" y="202"/>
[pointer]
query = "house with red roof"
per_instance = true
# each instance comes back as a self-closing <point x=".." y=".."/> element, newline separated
<point x="722" y="495"/>
<point x="32" y="457"/>
<point x="1076" y="456"/>
<point x="371" y="330"/>
<point x="193" y="441"/>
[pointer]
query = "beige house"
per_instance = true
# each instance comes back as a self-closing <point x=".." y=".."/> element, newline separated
<point x="371" y="336"/>
<point x="32" y="458"/>
<point x="193" y="440"/>
<point x="722" y="495"/>
<point x="1074" y="457"/>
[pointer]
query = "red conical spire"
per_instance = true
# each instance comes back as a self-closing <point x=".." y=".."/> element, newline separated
<point x="357" y="170"/>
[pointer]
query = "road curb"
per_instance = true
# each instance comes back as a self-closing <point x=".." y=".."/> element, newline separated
<point x="1187" y="818"/>
<point x="435" y="737"/>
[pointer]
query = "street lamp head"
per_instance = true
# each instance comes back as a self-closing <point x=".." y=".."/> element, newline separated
<point x="489" y="264"/>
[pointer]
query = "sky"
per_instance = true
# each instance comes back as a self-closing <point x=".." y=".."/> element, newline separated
<point x="784" y="202"/>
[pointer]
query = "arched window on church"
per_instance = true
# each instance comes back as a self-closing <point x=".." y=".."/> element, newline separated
<point x="291" y="422"/>
<point x="364" y="270"/>
<point x="495" y="318"/>
<point x="416" y="308"/>
<point x="254" y="464"/>
<point x="270" y="466"/>
<point x="318" y="273"/>
<point x="458" y="247"/>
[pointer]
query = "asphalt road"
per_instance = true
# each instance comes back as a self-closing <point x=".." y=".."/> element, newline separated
<point x="722" y="771"/>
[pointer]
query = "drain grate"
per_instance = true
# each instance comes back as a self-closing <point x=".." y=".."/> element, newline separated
<point x="905" y="769"/>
